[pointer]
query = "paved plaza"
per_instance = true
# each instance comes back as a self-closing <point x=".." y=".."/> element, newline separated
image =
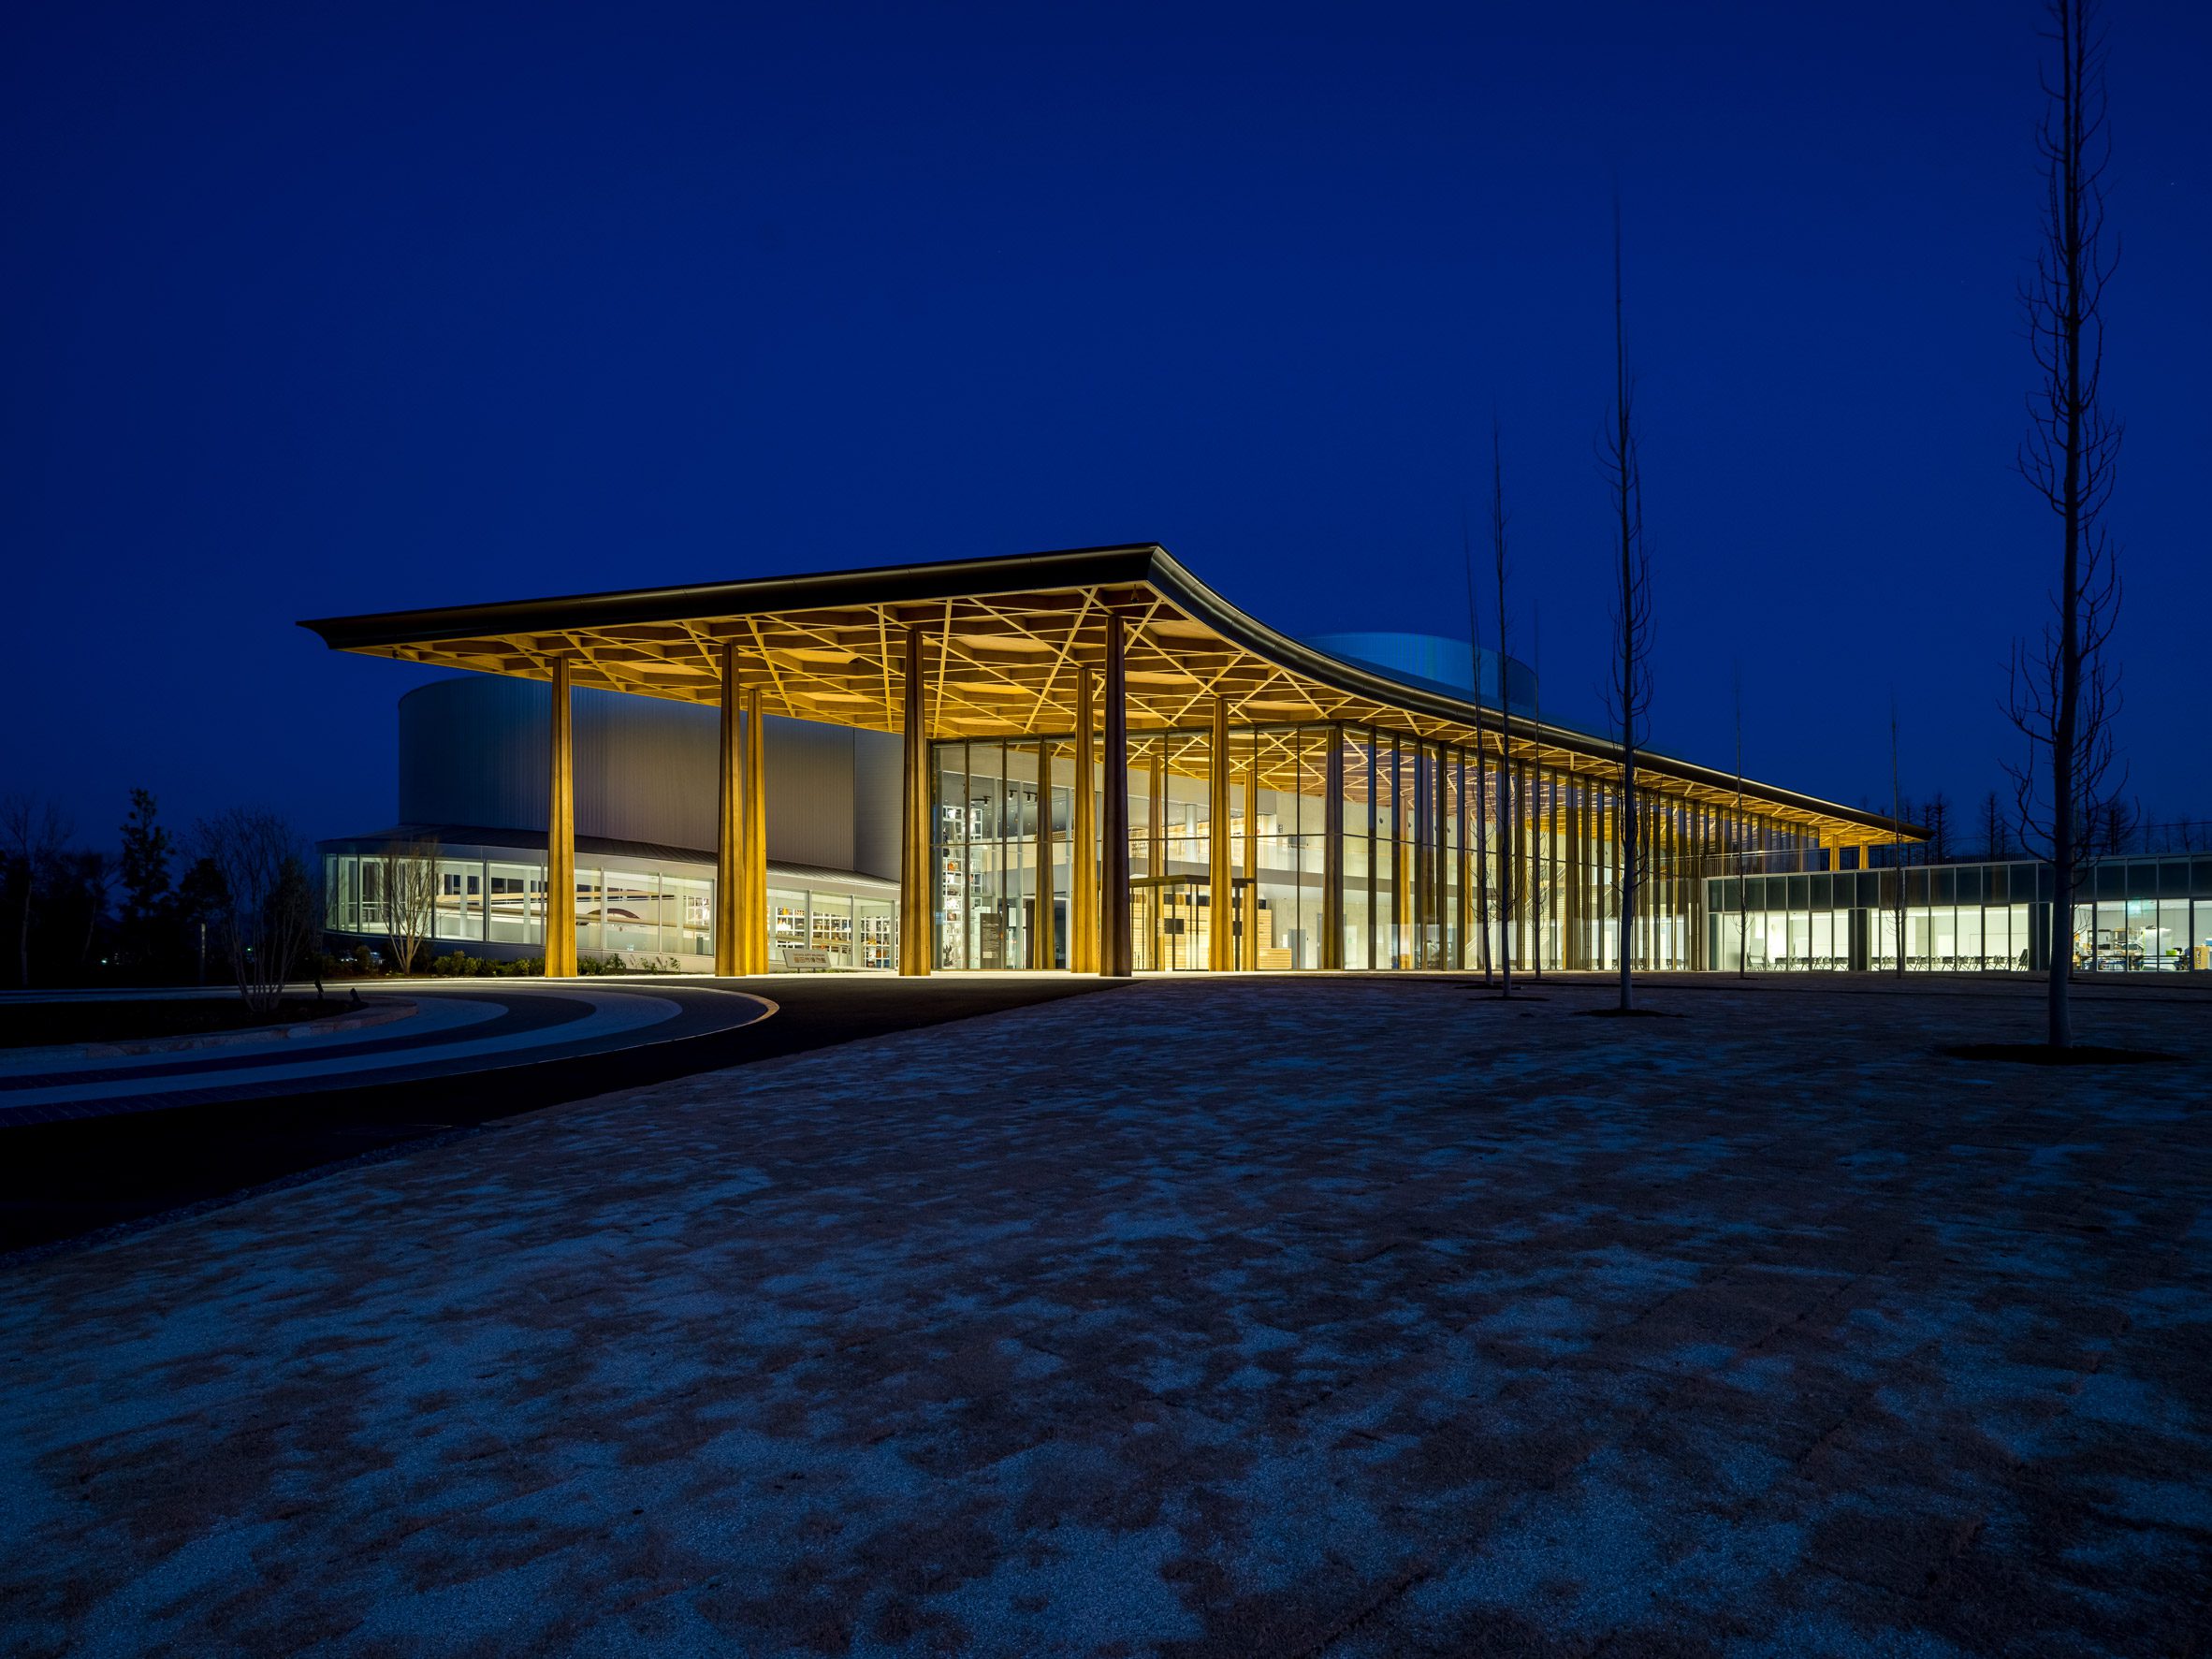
<point x="1330" y="1316"/>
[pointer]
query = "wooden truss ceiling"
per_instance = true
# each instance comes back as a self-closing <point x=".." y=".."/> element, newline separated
<point x="1004" y="666"/>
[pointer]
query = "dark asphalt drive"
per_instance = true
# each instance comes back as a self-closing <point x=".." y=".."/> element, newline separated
<point x="62" y="1180"/>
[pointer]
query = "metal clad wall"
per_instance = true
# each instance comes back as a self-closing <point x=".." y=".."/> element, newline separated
<point x="809" y="785"/>
<point x="878" y="760"/>
<point x="644" y="769"/>
<point x="473" y="751"/>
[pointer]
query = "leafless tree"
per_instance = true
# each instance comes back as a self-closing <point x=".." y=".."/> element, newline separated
<point x="2108" y="832"/>
<point x="1936" y="819"/>
<point x="1482" y="791"/>
<point x="267" y="906"/>
<point x="1508" y="804"/>
<point x="1897" y="834"/>
<point x="1996" y="832"/>
<point x="36" y="832"/>
<point x="1629" y="692"/>
<point x="2064" y="692"/>
<point x="410" y="898"/>
<point x="1742" y="853"/>
<point x="95" y="878"/>
<point x="1539" y="895"/>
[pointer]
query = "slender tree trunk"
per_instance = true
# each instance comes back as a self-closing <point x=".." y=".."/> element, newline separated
<point x="1481" y="834"/>
<point x="2064" y="853"/>
<point x="1897" y="844"/>
<point x="1625" y="440"/>
<point x="1509" y="793"/>
<point x="1742" y="895"/>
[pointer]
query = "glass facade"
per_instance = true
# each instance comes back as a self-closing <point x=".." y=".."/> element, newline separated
<point x="2132" y="915"/>
<point x="1347" y="847"/>
<point x="637" y="907"/>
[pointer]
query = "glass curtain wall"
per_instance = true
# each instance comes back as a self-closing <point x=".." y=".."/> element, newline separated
<point x="2142" y="915"/>
<point x="1425" y="877"/>
<point x="486" y="900"/>
<point x="1002" y="812"/>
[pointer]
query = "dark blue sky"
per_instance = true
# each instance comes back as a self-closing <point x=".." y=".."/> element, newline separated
<point x="318" y="309"/>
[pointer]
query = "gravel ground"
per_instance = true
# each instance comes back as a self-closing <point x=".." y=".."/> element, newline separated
<point x="1262" y="1318"/>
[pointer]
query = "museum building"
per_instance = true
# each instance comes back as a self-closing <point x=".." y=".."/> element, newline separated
<point x="1084" y="760"/>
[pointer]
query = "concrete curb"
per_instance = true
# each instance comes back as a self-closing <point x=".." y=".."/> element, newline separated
<point x="379" y="1015"/>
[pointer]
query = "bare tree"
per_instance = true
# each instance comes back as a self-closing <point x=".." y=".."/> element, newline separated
<point x="1897" y="833"/>
<point x="1742" y="853"/>
<point x="35" y="833"/>
<point x="1508" y="804"/>
<point x="1481" y="792"/>
<point x="1539" y="894"/>
<point x="1629" y="692"/>
<point x="1937" y="818"/>
<point x="2109" y="830"/>
<point x="1995" y="834"/>
<point x="267" y="902"/>
<point x="94" y="879"/>
<point x="410" y="898"/>
<point x="2064" y="692"/>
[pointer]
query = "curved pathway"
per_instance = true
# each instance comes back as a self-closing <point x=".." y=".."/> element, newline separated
<point x="200" y="1127"/>
<point x="452" y="1032"/>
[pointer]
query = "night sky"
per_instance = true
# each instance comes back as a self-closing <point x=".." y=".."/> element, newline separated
<point x="316" y="309"/>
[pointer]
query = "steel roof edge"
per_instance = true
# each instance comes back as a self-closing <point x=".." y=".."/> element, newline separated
<point x="1130" y="563"/>
<point x="882" y="584"/>
<point x="1204" y="604"/>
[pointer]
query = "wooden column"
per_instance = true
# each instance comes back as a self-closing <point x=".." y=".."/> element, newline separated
<point x="1041" y="930"/>
<point x="1404" y="856"/>
<point x="917" y="867"/>
<point x="729" y="825"/>
<point x="1251" y="905"/>
<point x="560" y="833"/>
<point x="1333" y="854"/>
<point x="1157" y="950"/>
<point x="1571" y="866"/>
<point x="1220" y="942"/>
<point x="1464" y="897"/>
<point x="1083" y="853"/>
<point x="752" y="920"/>
<point x="1115" y="956"/>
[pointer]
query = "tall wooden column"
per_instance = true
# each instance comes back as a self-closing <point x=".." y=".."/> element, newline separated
<point x="1115" y="954"/>
<point x="1250" y="911"/>
<point x="729" y="825"/>
<point x="1463" y="951"/>
<point x="1083" y="850"/>
<point x="1040" y="931"/>
<point x="560" y="834"/>
<point x="1571" y="880"/>
<point x="752" y="886"/>
<point x="1333" y="854"/>
<point x="917" y="868"/>
<point x="1220" y="942"/>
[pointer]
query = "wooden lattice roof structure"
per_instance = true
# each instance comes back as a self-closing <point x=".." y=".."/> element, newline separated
<point x="1006" y="636"/>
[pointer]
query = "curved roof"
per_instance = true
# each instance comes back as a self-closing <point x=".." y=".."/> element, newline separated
<point x="1007" y="635"/>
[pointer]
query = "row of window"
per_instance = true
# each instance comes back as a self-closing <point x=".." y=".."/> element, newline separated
<point x="647" y="911"/>
<point x="2110" y="936"/>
